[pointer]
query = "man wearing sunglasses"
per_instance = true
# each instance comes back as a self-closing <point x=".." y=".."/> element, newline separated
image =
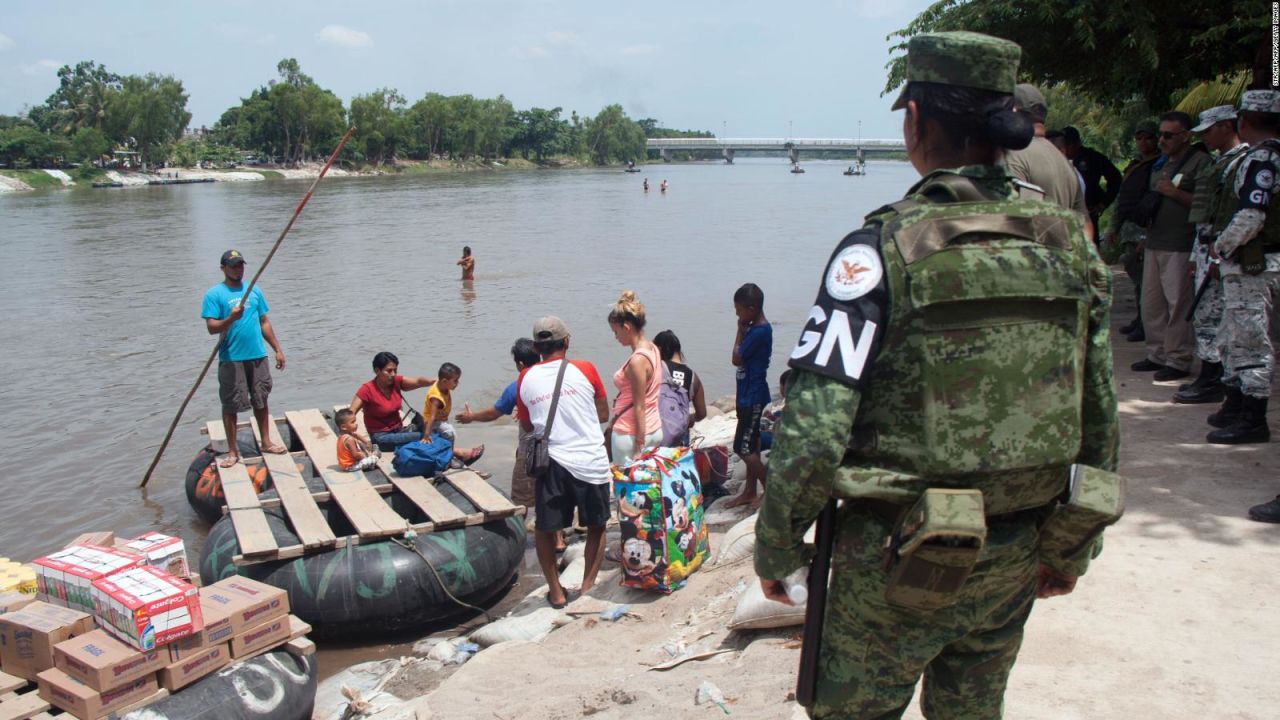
<point x="1167" y="288"/>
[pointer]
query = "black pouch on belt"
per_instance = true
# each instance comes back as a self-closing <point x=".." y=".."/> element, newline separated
<point x="933" y="549"/>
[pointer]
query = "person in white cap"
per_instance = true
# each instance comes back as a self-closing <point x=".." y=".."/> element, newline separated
<point x="1249" y="248"/>
<point x="1211" y="209"/>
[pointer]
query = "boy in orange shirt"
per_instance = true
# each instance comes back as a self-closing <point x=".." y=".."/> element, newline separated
<point x="353" y="452"/>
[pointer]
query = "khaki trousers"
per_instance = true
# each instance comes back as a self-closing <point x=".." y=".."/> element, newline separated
<point x="1167" y="291"/>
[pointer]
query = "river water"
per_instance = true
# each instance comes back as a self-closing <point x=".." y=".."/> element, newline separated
<point x="103" y="335"/>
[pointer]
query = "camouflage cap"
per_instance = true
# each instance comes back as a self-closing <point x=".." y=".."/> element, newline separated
<point x="1029" y="99"/>
<point x="1263" y="101"/>
<point x="1146" y="127"/>
<point x="1215" y="115"/>
<point x="967" y="59"/>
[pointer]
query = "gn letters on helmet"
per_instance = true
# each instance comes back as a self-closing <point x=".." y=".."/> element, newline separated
<point x="843" y="331"/>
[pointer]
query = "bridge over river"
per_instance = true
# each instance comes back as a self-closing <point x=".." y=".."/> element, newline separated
<point x="793" y="146"/>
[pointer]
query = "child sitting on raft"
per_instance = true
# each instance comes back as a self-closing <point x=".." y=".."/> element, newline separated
<point x="353" y="452"/>
<point x="435" y="412"/>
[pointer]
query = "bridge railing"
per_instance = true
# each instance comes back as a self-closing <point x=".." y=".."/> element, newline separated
<point x="783" y="143"/>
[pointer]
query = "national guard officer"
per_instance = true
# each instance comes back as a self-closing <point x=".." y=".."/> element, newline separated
<point x="953" y="371"/>
<point x="1211" y="208"/>
<point x="1249" y="247"/>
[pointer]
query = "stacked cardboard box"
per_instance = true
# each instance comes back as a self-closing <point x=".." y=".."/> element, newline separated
<point x="146" y="607"/>
<point x="163" y="552"/>
<point x="65" y="577"/>
<point x="27" y="636"/>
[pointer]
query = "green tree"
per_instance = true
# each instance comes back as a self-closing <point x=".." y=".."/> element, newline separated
<point x="81" y="100"/>
<point x="540" y="131"/>
<point x="151" y="110"/>
<point x="88" y="145"/>
<point x="25" y="146"/>
<point x="381" y="122"/>
<point x="429" y="120"/>
<point x="1112" y="51"/>
<point x="613" y="137"/>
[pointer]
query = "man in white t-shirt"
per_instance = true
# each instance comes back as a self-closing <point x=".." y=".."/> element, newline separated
<point x="579" y="475"/>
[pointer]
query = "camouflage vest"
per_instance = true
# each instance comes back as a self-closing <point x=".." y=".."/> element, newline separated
<point x="979" y="380"/>
<point x="1269" y="237"/>
<point x="1222" y="188"/>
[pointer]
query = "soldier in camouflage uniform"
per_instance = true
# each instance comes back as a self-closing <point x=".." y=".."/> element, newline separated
<point x="959" y="340"/>
<point x="1249" y="247"/>
<point x="1211" y="209"/>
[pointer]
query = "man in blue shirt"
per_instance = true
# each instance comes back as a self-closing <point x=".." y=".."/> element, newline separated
<point x="244" y="377"/>
<point x="752" y="348"/>
<point x="525" y="356"/>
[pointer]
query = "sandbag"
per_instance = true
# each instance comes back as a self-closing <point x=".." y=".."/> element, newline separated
<point x="739" y="543"/>
<point x="755" y="612"/>
<point x="664" y="539"/>
<point x="532" y="627"/>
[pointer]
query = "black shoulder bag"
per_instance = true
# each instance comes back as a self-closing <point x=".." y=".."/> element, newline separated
<point x="538" y="461"/>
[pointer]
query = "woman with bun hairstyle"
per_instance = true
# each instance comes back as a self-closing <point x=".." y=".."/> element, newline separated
<point x="635" y="422"/>
<point x="957" y="356"/>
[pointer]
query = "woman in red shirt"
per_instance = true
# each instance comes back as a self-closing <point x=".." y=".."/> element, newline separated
<point x="381" y="399"/>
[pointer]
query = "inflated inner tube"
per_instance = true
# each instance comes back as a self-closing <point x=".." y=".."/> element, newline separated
<point x="204" y="488"/>
<point x="275" y="686"/>
<point x="380" y="588"/>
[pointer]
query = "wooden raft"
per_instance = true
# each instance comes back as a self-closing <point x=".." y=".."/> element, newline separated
<point x="18" y="702"/>
<point x="359" y="495"/>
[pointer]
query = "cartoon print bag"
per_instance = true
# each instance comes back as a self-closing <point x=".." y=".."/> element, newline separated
<point x="664" y="538"/>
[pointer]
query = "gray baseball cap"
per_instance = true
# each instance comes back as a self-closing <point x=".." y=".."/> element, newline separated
<point x="549" y="328"/>
<point x="1029" y="99"/>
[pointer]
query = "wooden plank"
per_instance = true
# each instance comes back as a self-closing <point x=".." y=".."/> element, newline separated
<point x="9" y="683"/>
<point x="305" y="516"/>
<point x="24" y="706"/>
<point x="423" y="493"/>
<point x="240" y="425"/>
<point x="155" y="697"/>
<point x="217" y="436"/>
<point x="300" y="647"/>
<point x="252" y="531"/>
<point x="369" y="515"/>
<point x="479" y="492"/>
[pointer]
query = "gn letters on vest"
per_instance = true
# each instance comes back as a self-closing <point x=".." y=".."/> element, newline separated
<point x="847" y="320"/>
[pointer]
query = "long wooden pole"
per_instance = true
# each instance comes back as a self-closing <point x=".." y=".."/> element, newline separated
<point x="244" y="298"/>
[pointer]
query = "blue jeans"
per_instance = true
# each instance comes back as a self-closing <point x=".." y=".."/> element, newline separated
<point x="389" y="441"/>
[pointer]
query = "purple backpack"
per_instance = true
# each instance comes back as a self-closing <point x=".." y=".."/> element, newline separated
<point x="673" y="409"/>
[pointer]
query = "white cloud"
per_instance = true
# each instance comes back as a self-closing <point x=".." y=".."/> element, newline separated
<point x="344" y="37"/>
<point x="6" y="42"/>
<point x="641" y="49"/>
<point x="562" y="37"/>
<point x="529" y="52"/>
<point x="40" y="67"/>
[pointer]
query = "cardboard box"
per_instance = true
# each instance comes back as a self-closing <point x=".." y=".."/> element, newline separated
<point x="146" y="607"/>
<point x="217" y="629"/>
<point x="247" y="602"/>
<point x="163" y="552"/>
<point x="27" y="636"/>
<point x="66" y="577"/>
<point x="195" y="666"/>
<point x="106" y="538"/>
<point x="84" y="702"/>
<point x="103" y="662"/>
<point x="269" y="633"/>
<point x="14" y="600"/>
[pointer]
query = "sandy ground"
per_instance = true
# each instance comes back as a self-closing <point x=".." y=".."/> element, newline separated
<point x="1175" y="620"/>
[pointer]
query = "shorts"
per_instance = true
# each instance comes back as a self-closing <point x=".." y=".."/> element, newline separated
<point x="521" y="483"/>
<point x="444" y="429"/>
<point x="243" y="384"/>
<point x="746" y="439"/>
<point x="557" y="493"/>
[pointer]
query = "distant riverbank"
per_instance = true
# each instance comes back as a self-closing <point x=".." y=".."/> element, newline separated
<point x="26" y="180"/>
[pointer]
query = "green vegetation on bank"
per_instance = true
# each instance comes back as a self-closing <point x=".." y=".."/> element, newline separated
<point x="95" y="115"/>
<point x="37" y="179"/>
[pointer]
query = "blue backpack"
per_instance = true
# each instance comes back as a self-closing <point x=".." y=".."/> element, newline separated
<point x="673" y="409"/>
<point x="423" y="458"/>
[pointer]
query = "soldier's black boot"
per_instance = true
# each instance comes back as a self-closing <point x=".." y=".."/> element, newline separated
<point x="1230" y="409"/>
<point x="1207" y="388"/>
<point x="1133" y="325"/>
<point x="1268" y="512"/>
<point x="1250" y="426"/>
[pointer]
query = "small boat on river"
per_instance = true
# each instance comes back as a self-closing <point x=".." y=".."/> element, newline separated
<point x="359" y="553"/>
<point x="795" y="168"/>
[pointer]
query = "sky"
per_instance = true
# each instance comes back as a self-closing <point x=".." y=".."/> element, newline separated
<point x="740" y="69"/>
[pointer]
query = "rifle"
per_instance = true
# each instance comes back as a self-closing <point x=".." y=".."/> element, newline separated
<point x="816" y="610"/>
<point x="1195" y="302"/>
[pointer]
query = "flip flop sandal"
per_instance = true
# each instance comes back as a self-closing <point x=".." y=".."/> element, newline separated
<point x="556" y="605"/>
<point x="477" y="456"/>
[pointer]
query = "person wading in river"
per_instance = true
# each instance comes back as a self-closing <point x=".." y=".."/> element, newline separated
<point x="244" y="378"/>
